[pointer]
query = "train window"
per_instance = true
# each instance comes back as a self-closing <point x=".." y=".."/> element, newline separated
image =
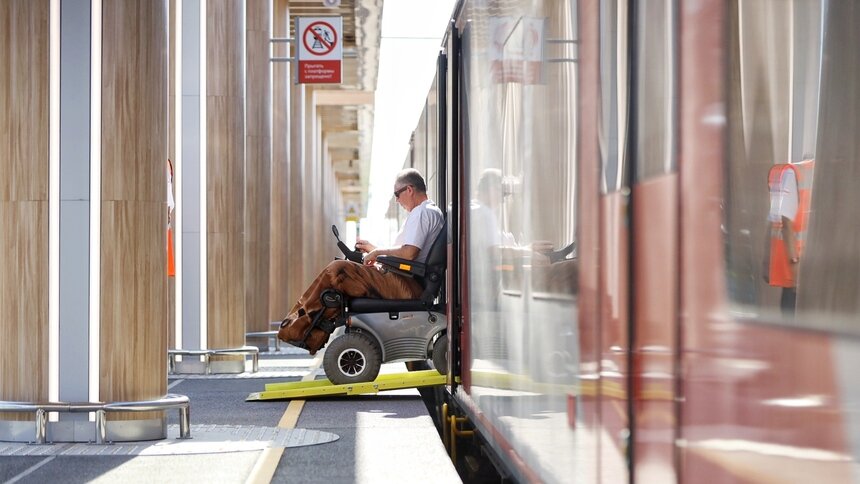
<point x="432" y="156"/>
<point x="792" y="229"/>
<point x="656" y="65"/>
<point x="614" y="95"/>
<point x="519" y="127"/>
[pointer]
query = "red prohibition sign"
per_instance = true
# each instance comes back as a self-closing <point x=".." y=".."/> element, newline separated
<point x="322" y="36"/>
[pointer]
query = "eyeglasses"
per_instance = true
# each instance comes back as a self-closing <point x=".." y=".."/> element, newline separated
<point x="398" y="192"/>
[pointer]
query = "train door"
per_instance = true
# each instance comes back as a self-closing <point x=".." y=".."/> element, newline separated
<point x="605" y="234"/>
<point x="557" y="367"/>
<point x="516" y="236"/>
<point x="629" y="234"/>
<point x="653" y="240"/>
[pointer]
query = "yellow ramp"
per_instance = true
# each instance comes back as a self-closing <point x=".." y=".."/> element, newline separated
<point x="320" y="388"/>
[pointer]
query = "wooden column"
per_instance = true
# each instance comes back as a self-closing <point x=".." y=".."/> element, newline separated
<point x="296" y="244"/>
<point x="311" y="222"/>
<point x="24" y="128"/>
<point x="225" y="174"/>
<point x="258" y="169"/>
<point x="279" y="275"/>
<point x="133" y="288"/>
<point x="320" y="224"/>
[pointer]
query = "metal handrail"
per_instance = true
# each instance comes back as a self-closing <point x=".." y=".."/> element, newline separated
<point x="42" y="409"/>
<point x="266" y="334"/>
<point x="207" y="354"/>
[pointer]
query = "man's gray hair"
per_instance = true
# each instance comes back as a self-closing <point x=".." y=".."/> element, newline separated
<point x="411" y="176"/>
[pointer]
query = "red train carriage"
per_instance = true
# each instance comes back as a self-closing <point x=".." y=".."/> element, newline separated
<point x="611" y="302"/>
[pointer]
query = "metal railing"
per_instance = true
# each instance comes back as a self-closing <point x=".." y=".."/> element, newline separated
<point x="266" y="334"/>
<point x="41" y="410"/>
<point x="207" y="354"/>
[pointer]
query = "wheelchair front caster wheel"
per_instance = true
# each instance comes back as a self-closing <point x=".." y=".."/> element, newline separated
<point x="352" y="358"/>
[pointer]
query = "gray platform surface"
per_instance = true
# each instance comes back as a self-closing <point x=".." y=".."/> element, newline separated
<point x="205" y="439"/>
<point x="382" y="438"/>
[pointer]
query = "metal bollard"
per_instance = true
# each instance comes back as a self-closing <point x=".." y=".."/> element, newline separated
<point x="101" y="427"/>
<point x="41" y="426"/>
<point x="185" y="422"/>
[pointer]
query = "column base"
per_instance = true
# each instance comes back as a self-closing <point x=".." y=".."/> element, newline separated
<point x="193" y="365"/>
<point x="85" y="430"/>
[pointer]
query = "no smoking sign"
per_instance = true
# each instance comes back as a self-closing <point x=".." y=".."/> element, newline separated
<point x="319" y="50"/>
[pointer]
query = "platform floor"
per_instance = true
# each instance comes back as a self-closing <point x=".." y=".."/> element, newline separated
<point x="367" y="439"/>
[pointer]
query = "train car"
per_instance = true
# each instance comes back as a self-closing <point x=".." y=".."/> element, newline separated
<point x="655" y="250"/>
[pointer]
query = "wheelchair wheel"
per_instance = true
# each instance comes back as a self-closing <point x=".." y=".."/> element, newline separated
<point x="440" y="354"/>
<point x="352" y="358"/>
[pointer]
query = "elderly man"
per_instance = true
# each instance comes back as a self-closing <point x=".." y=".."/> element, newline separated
<point x="413" y="242"/>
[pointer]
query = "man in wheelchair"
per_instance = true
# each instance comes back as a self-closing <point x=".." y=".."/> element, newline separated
<point x="309" y="323"/>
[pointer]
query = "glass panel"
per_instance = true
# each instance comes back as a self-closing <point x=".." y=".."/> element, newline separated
<point x="419" y="144"/>
<point x="520" y="97"/>
<point x="613" y="95"/>
<point x="655" y="88"/>
<point x="828" y="292"/>
<point x="791" y="224"/>
<point x="432" y="123"/>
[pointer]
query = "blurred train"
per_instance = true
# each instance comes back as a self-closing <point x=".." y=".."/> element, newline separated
<point x="605" y="167"/>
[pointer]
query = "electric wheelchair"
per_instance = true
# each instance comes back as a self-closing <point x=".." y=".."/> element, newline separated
<point x="380" y="331"/>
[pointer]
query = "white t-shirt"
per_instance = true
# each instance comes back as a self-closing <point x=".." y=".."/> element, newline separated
<point x="422" y="226"/>
<point x="486" y="229"/>
<point x="783" y="202"/>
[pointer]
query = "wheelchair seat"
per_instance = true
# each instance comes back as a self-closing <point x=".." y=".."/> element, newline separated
<point x="430" y="273"/>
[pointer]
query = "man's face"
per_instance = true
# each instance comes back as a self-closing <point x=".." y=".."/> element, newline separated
<point x="403" y="195"/>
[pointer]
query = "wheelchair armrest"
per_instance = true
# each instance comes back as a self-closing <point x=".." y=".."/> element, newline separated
<point x="561" y="254"/>
<point x="402" y="266"/>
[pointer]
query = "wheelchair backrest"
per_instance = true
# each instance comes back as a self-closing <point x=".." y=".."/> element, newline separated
<point x="437" y="262"/>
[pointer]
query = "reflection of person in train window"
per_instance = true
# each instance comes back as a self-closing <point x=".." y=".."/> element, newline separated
<point x="498" y="254"/>
<point x="487" y="238"/>
<point x="789" y="206"/>
<point x="486" y="213"/>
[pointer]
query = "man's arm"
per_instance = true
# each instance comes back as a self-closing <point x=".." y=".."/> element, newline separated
<point x="409" y="252"/>
<point x="790" y="240"/>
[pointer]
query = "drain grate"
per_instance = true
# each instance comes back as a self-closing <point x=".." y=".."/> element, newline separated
<point x="205" y="439"/>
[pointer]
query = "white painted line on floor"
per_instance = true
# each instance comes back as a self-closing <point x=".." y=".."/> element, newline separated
<point x="177" y="382"/>
<point x="31" y="469"/>
<point x="266" y="465"/>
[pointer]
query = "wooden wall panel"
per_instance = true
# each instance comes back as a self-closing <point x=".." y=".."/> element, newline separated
<point x="279" y="275"/>
<point x="23" y="303"/>
<point x="133" y="210"/>
<point x="224" y="57"/>
<point x="258" y="168"/>
<point x="226" y="304"/>
<point x="225" y="170"/>
<point x="225" y="174"/>
<point x="134" y="100"/>
<point x="133" y="302"/>
<point x="24" y="51"/>
<point x="24" y="128"/>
